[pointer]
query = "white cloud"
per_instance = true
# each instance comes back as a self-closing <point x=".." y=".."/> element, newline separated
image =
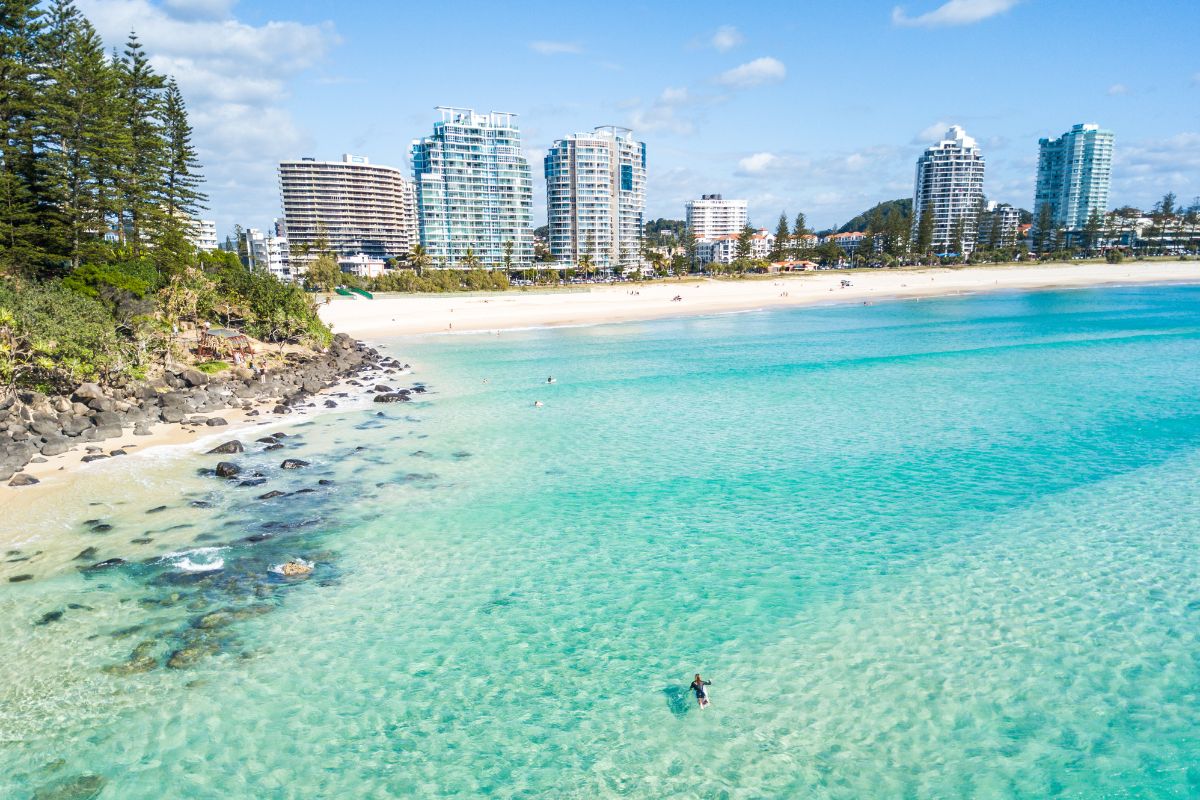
<point x="932" y="133"/>
<point x="667" y="112"/>
<point x="1145" y="170"/>
<point x="757" y="163"/>
<point x="1118" y="89"/>
<point x="548" y="48"/>
<point x="953" y="12"/>
<point x="727" y="37"/>
<point x="754" y="73"/>
<point x="235" y="78"/>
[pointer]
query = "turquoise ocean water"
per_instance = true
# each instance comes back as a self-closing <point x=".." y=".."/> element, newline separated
<point x="929" y="549"/>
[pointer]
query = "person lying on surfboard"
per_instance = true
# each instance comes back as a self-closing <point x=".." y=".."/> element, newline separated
<point x="698" y="687"/>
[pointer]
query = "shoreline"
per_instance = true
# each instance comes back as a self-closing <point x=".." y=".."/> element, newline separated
<point x="408" y="315"/>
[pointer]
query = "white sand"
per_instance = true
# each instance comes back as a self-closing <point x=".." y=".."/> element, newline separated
<point x="394" y="315"/>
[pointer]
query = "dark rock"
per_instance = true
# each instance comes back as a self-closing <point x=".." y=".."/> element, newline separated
<point x="293" y="463"/>
<point x="117" y="452"/>
<point x="156" y="510"/>
<point x="200" y="504"/>
<point x="108" y="563"/>
<point x="56" y="445"/>
<point x="20" y="578"/>
<point x="330" y="404"/>
<point x="271" y="447"/>
<point x="395" y="397"/>
<point x="93" y="457"/>
<point x="227" y="469"/>
<point x="97" y="526"/>
<point x="382" y="388"/>
<point x="50" y="616"/>
<point x="22" y="479"/>
<point x="271" y="494"/>
<point x="107" y="432"/>
<point x="76" y="787"/>
<point x="216" y="422"/>
<point x="253" y="482"/>
<point x="193" y="377"/>
<point x="87" y="391"/>
<point x="107" y="419"/>
<point x="267" y="440"/>
<point x="141" y="540"/>
<point x="233" y="446"/>
<point x="86" y="554"/>
<point x="325" y="482"/>
<point x="172" y="414"/>
<point x="280" y="409"/>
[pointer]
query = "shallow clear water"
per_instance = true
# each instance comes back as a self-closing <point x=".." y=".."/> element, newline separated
<point x="927" y="549"/>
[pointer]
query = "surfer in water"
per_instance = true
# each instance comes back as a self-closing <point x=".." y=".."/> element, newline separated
<point x="698" y="687"/>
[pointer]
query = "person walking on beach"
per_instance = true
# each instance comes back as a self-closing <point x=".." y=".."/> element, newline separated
<point x="698" y="687"/>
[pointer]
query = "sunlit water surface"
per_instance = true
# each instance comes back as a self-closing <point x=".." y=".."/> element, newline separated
<point x="934" y="549"/>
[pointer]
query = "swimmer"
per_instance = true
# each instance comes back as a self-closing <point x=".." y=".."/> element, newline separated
<point x="698" y="687"/>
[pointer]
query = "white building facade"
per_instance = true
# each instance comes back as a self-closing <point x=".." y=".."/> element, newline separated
<point x="596" y="198"/>
<point x="723" y="249"/>
<point x="712" y="216"/>
<point x="474" y="190"/>
<point x="949" y="186"/>
<point x="203" y="234"/>
<point x="351" y="205"/>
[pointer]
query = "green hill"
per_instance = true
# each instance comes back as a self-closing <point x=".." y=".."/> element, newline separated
<point x="884" y="210"/>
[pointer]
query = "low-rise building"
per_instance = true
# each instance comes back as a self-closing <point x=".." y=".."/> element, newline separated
<point x="999" y="226"/>
<point x="362" y="265"/>
<point x="723" y="249"/>
<point x="203" y="234"/>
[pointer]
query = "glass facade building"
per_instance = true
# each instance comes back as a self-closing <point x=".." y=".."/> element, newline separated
<point x="1074" y="172"/>
<point x="596" y="198"/>
<point x="474" y="190"/>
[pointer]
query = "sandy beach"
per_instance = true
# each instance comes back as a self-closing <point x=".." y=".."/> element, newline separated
<point x="395" y="315"/>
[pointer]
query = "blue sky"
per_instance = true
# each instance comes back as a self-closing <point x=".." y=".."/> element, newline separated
<point x="820" y="107"/>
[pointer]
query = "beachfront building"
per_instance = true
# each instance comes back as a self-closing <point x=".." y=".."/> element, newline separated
<point x="596" y="198"/>
<point x="999" y="226"/>
<point x="712" y="216"/>
<point x="850" y="241"/>
<point x="350" y="206"/>
<point x="723" y="249"/>
<point x="1074" y="172"/>
<point x="362" y="265"/>
<point x="474" y="191"/>
<point x="202" y="234"/>
<point x="267" y="253"/>
<point x="949" y="186"/>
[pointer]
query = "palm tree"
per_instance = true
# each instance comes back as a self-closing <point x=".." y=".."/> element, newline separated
<point x="419" y="258"/>
<point x="585" y="263"/>
<point x="470" y="260"/>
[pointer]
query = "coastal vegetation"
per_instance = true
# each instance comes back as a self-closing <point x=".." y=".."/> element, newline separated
<point x="98" y="194"/>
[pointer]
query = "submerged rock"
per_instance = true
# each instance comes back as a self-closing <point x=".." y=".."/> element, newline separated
<point x="190" y="656"/>
<point x="112" y="562"/>
<point x="20" y="578"/>
<point x="77" y="787"/>
<point x="50" y="616"/>
<point x="227" y="469"/>
<point x="271" y="494"/>
<point x="295" y="569"/>
<point x="156" y="510"/>
<point x="86" y="554"/>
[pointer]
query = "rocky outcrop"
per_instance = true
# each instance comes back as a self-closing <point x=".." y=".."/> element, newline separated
<point x="33" y="424"/>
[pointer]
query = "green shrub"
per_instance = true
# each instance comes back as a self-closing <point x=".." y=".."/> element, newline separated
<point x="53" y="339"/>
<point x="212" y="367"/>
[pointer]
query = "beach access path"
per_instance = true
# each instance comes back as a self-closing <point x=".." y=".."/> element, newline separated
<point x="408" y="314"/>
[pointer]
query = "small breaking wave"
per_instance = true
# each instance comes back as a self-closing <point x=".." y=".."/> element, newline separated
<point x="201" y="559"/>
